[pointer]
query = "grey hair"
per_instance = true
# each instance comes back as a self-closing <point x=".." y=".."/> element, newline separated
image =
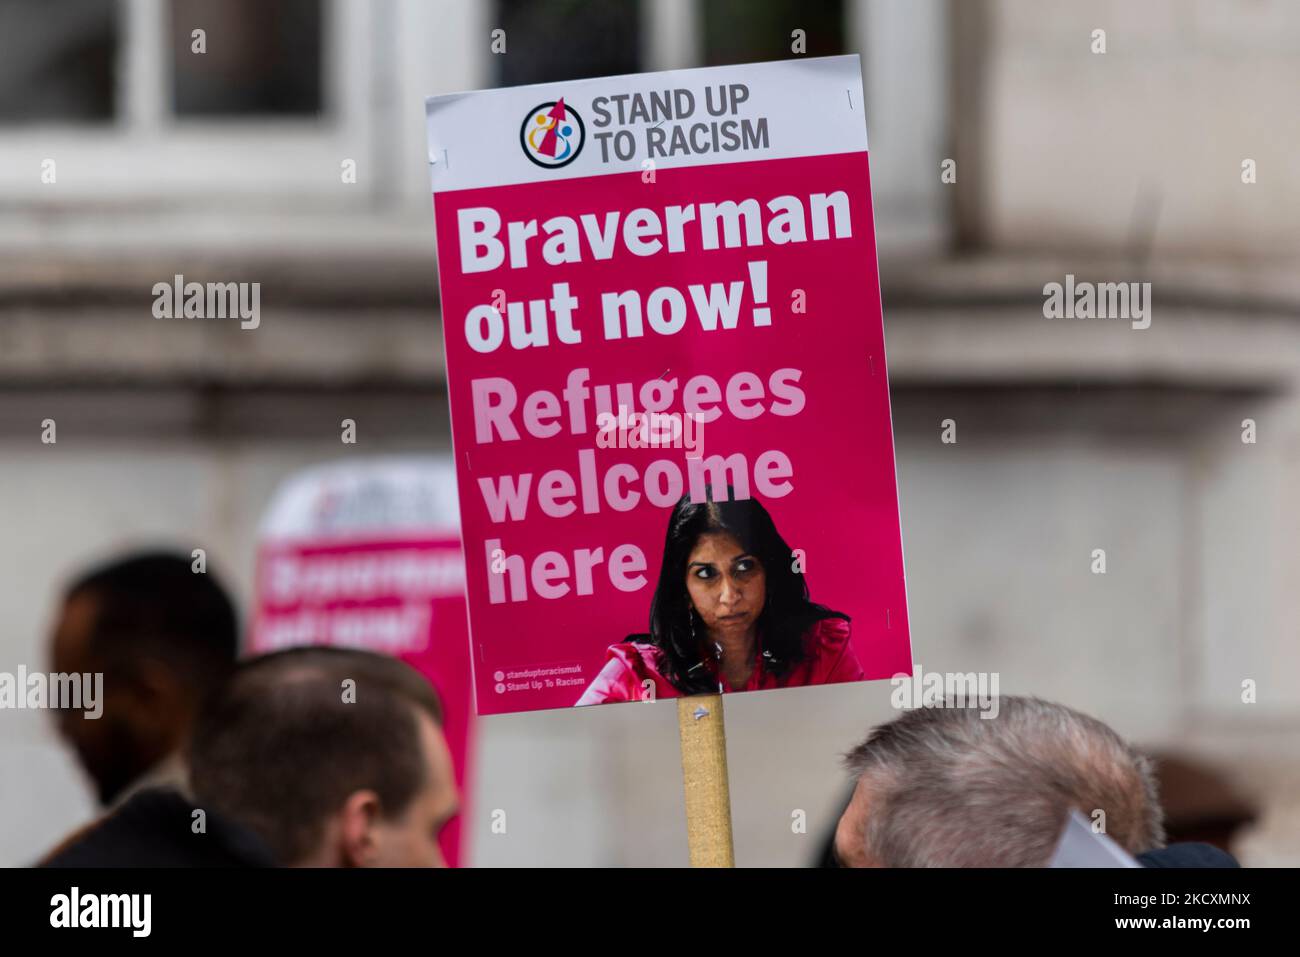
<point x="946" y="787"/>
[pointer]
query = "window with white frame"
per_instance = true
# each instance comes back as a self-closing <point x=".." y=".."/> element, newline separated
<point x="179" y="99"/>
<point x="115" y="92"/>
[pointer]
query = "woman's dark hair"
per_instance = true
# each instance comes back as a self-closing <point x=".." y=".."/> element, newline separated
<point x="787" y="613"/>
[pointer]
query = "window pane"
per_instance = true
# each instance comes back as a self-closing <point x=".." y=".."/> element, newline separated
<point x="548" y="40"/>
<point x="749" y="31"/>
<point x="57" y="63"/>
<point x="262" y="57"/>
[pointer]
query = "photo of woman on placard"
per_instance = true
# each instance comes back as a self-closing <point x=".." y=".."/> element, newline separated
<point x="730" y="613"/>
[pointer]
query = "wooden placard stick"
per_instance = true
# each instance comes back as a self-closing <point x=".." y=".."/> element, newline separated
<point x="704" y="777"/>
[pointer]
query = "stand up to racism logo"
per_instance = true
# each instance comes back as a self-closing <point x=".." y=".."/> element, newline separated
<point x="552" y="134"/>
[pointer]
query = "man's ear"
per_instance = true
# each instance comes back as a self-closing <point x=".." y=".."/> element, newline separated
<point x="358" y="820"/>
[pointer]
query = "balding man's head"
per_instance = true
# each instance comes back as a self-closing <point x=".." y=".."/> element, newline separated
<point x="946" y="787"/>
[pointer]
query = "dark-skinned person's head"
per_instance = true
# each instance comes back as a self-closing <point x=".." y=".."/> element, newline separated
<point x="969" y="787"/>
<point x="164" y="636"/>
<point x="333" y="757"/>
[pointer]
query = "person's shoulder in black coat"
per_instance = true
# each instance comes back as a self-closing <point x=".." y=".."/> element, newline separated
<point x="1187" y="855"/>
<point x="156" y="828"/>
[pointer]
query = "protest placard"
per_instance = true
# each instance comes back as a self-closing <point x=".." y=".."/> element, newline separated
<point x="666" y="369"/>
<point x="367" y="555"/>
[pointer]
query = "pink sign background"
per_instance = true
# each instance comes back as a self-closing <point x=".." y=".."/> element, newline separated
<point x="843" y="508"/>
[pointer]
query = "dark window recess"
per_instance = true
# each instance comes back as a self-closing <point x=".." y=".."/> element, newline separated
<point x="263" y="57"/>
<point x="550" y="40"/>
<point x="750" y="31"/>
<point x="58" y="63"/>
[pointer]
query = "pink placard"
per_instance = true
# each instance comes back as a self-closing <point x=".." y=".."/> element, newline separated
<point x="391" y="583"/>
<point x="740" y="300"/>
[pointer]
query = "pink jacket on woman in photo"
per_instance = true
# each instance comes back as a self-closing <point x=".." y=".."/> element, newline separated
<point x="829" y="658"/>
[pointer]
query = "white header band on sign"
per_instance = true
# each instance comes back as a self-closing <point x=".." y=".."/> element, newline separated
<point x="726" y="114"/>
<point x="374" y="498"/>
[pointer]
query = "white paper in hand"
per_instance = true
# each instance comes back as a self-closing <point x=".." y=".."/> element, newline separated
<point x="1081" y="846"/>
